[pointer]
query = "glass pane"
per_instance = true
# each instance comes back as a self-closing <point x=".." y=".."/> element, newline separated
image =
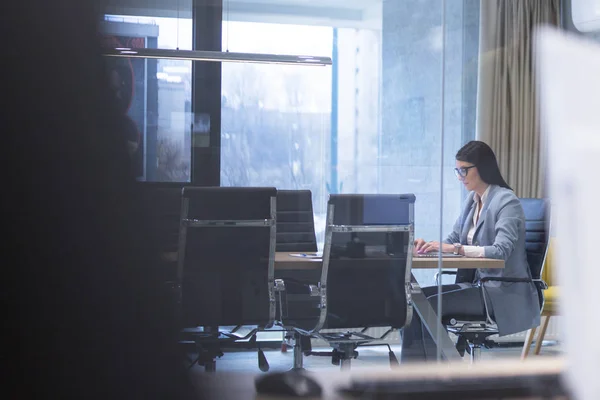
<point x="512" y="134"/>
<point x="154" y="95"/>
<point x="380" y="125"/>
<point x="276" y="119"/>
<point x="502" y="223"/>
<point x="372" y="123"/>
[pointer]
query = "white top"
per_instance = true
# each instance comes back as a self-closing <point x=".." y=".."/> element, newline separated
<point x="470" y="250"/>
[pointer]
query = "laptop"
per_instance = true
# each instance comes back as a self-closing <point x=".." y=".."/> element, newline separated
<point x="312" y="255"/>
<point x="436" y="254"/>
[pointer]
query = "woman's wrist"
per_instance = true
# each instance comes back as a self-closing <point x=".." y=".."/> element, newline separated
<point x="447" y="248"/>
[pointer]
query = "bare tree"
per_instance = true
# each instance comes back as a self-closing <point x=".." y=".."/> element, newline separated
<point x="295" y="86"/>
<point x="171" y="165"/>
<point x="244" y="92"/>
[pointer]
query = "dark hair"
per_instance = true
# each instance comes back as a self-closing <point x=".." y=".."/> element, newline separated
<point x="482" y="156"/>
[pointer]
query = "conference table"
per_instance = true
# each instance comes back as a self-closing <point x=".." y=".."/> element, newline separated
<point x="285" y="261"/>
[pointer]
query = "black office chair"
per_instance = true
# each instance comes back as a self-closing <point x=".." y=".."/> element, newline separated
<point x="295" y="234"/>
<point x="226" y="267"/>
<point x="536" y="238"/>
<point x="295" y="221"/>
<point x="476" y="330"/>
<point x="365" y="275"/>
<point x="162" y="204"/>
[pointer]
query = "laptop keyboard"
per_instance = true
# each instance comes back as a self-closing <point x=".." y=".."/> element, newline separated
<point x="435" y="254"/>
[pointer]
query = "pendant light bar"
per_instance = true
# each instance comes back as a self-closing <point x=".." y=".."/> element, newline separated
<point x="215" y="56"/>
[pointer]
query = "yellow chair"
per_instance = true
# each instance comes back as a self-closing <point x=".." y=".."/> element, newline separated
<point x="550" y="304"/>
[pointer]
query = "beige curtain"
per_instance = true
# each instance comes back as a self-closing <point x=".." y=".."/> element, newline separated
<point x="507" y="115"/>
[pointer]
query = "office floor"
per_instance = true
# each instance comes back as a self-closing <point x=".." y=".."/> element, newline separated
<point x="369" y="357"/>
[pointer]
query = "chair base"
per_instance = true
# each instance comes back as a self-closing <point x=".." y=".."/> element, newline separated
<point x="301" y="344"/>
<point x="476" y="336"/>
<point x="209" y="341"/>
<point x="344" y="347"/>
<point x="342" y="354"/>
<point x="207" y="358"/>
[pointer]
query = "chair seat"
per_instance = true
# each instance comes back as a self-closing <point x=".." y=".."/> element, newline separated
<point x="551" y="300"/>
<point x="479" y="317"/>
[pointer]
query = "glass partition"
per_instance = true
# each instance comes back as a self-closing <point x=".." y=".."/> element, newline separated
<point x="370" y="124"/>
<point x="411" y="83"/>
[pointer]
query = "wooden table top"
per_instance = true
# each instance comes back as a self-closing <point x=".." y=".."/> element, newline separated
<point x="283" y="261"/>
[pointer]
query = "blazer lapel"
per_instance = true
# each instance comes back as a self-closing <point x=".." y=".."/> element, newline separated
<point x="466" y="223"/>
<point x="490" y="196"/>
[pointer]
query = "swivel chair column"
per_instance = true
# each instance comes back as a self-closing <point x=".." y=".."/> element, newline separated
<point x="298" y="353"/>
<point x="475" y="352"/>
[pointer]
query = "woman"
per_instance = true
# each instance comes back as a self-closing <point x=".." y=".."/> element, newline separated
<point x="491" y="225"/>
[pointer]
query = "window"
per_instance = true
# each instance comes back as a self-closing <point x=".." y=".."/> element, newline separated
<point x="155" y="94"/>
<point x="276" y="118"/>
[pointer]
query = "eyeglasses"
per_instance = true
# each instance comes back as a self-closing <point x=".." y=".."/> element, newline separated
<point x="462" y="172"/>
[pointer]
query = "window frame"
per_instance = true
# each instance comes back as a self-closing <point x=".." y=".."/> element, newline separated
<point x="207" y="19"/>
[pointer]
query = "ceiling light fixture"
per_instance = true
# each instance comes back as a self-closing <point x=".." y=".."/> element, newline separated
<point x="215" y="56"/>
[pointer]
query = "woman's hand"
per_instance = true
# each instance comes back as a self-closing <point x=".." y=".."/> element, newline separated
<point x="428" y="247"/>
<point x="419" y="243"/>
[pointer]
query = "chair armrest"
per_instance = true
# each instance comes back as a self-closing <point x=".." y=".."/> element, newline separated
<point x="437" y="275"/>
<point x="279" y="285"/>
<point x="540" y="284"/>
<point x="311" y="289"/>
<point x="504" y="279"/>
<point x="314" y="290"/>
<point x="481" y="286"/>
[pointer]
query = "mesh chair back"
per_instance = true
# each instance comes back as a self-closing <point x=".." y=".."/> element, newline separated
<point x="295" y="221"/>
<point x="536" y="233"/>
<point x="367" y="260"/>
<point x="226" y="255"/>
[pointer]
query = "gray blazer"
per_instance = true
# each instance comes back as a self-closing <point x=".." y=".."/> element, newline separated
<point x="501" y="231"/>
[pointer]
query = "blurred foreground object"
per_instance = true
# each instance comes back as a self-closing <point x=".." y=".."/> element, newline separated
<point x="569" y="87"/>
